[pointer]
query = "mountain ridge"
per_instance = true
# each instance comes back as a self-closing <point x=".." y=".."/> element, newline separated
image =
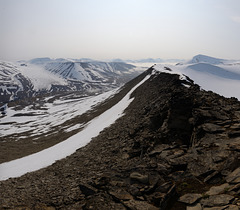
<point x="50" y="76"/>
<point x="174" y="141"/>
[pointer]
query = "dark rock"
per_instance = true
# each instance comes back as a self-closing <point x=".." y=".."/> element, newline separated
<point x="134" y="190"/>
<point x="213" y="178"/>
<point x="164" y="188"/>
<point x="234" y="134"/>
<point x="87" y="189"/>
<point x="234" y="188"/>
<point x="156" y="198"/>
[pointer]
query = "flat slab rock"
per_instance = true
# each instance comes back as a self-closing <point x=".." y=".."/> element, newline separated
<point x="121" y="194"/>
<point x="218" y="189"/>
<point x="190" y="198"/>
<point x="234" y="177"/>
<point x="212" y="128"/>
<point x="217" y="200"/>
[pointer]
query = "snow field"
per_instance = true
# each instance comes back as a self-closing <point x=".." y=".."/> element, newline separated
<point x="52" y="115"/>
<point x="48" y="156"/>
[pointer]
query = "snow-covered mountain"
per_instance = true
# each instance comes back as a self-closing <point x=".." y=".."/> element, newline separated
<point x="218" y="75"/>
<point x="206" y="59"/>
<point x="88" y="71"/>
<point x="12" y="82"/>
<point x="26" y="78"/>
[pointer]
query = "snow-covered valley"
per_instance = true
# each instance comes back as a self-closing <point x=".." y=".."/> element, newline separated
<point x="48" y="156"/>
<point x="46" y="115"/>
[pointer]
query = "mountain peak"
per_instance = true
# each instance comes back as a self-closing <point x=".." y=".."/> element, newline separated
<point x="206" y="59"/>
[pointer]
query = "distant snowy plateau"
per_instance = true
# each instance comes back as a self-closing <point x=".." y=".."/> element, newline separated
<point x="49" y="114"/>
<point x="212" y="74"/>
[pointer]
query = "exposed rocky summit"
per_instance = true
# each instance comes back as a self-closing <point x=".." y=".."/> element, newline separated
<point x="176" y="147"/>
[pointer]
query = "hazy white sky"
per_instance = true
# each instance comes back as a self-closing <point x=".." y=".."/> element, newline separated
<point x="127" y="29"/>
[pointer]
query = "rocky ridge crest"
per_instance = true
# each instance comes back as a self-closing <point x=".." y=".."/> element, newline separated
<point x="176" y="147"/>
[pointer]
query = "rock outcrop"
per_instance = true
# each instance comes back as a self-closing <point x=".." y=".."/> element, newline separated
<point x="176" y="147"/>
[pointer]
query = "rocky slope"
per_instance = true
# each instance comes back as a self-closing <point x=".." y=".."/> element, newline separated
<point x="176" y="147"/>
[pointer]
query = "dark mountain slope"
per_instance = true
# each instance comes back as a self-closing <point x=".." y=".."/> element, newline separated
<point x="171" y="141"/>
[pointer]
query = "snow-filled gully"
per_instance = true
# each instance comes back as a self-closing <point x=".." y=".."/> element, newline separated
<point x="59" y="151"/>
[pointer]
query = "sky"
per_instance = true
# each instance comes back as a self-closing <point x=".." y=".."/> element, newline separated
<point x="126" y="29"/>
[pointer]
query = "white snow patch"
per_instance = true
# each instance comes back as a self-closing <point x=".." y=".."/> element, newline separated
<point x="48" y="156"/>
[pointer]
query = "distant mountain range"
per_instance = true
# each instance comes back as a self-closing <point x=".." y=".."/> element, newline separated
<point x="45" y="75"/>
<point x="150" y="60"/>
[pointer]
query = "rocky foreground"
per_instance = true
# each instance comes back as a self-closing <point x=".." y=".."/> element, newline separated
<point x="177" y="147"/>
